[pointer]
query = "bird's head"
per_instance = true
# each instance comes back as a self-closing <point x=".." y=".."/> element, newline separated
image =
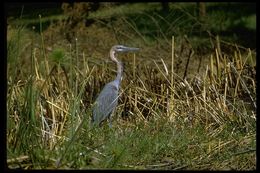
<point x="121" y="48"/>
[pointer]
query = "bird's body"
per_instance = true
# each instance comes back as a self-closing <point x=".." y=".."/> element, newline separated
<point x="107" y="100"/>
<point x="105" y="103"/>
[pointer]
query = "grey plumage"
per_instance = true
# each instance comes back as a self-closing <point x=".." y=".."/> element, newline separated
<point x="107" y="100"/>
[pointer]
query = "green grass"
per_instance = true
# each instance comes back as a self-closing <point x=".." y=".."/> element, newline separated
<point x="204" y="120"/>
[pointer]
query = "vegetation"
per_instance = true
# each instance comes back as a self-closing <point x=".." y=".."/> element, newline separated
<point x="187" y="100"/>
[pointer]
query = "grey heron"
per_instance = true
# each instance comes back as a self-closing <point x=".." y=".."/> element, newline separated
<point x="106" y="101"/>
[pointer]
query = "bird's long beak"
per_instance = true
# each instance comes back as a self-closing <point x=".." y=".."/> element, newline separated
<point x="130" y="49"/>
<point x="133" y="49"/>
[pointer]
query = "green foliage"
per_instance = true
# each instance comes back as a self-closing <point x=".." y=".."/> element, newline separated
<point x="58" y="56"/>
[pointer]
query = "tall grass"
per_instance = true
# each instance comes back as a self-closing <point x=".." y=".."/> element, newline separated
<point x="164" y="120"/>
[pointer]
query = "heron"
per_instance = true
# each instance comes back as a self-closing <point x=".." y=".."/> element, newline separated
<point x="107" y="100"/>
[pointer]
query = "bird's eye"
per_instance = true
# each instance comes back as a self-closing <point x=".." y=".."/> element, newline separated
<point x="120" y="48"/>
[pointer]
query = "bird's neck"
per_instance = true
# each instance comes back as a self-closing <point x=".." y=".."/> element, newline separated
<point x="118" y="78"/>
<point x="119" y="66"/>
<point x="119" y="71"/>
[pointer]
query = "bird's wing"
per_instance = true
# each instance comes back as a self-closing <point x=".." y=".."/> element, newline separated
<point x="105" y="103"/>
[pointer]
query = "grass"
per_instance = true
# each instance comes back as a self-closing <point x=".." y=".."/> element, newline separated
<point x="167" y="117"/>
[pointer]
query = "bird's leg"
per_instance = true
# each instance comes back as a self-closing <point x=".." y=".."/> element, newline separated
<point x="110" y="118"/>
<point x="110" y="121"/>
